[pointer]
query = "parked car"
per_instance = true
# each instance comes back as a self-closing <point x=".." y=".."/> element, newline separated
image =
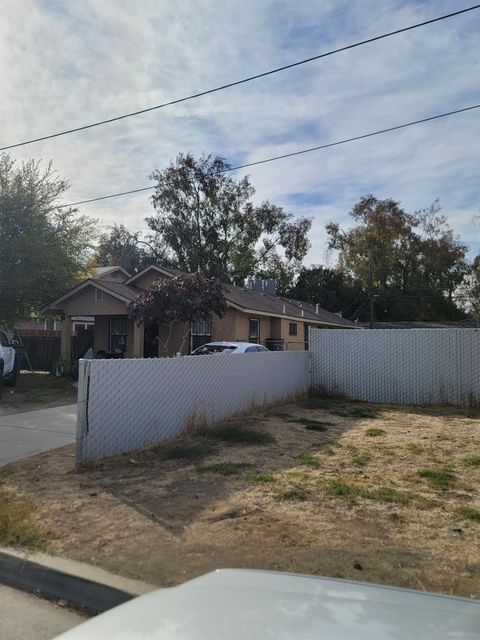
<point x="212" y="348"/>
<point x="233" y="604"/>
<point x="8" y="362"/>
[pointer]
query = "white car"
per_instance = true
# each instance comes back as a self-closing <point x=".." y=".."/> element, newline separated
<point x="8" y="362"/>
<point x="228" y="347"/>
<point x="261" y="605"/>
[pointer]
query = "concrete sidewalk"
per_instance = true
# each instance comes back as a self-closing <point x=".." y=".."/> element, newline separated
<point x="25" y="434"/>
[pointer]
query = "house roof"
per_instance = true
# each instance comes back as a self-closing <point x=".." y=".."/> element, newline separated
<point x="165" y="271"/>
<point x="116" y="289"/>
<point x="246" y="300"/>
<point x="101" y="272"/>
<point x="279" y="306"/>
<point x="129" y="292"/>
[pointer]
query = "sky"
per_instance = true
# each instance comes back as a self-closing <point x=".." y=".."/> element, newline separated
<point x="65" y="64"/>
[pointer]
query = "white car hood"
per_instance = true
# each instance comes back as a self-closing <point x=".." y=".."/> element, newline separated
<point x="248" y="605"/>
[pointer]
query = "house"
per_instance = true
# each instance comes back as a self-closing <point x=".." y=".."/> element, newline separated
<point x="251" y="315"/>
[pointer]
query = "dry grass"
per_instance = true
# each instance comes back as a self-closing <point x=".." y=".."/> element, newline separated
<point x="266" y="492"/>
<point x="19" y="524"/>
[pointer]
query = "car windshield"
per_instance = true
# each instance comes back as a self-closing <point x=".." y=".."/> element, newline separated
<point x="213" y="348"/>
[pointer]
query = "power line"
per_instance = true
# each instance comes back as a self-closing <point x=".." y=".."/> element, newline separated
<point x="294" y="153"/>
<point x="242" y="81"/>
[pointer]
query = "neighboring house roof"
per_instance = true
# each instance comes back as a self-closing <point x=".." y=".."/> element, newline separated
<point x="460" y="324"/>
<point x="102" y="272"/>
<point x="162" y="271"/>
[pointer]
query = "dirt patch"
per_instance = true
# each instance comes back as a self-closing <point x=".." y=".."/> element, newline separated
<point x="334" y="501"/>
<point x="37" y="391"/>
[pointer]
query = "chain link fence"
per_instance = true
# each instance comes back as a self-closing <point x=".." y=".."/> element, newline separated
<point x="404" y="366"/>
<point x="128" y="404"/>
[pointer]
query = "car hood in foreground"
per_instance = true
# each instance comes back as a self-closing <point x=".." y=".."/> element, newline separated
<point x="248" y="605"/>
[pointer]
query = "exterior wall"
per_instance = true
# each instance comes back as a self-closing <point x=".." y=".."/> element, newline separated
<point x="116" y="276"/>
<point x="276" y="328"/>
<point x="134" y="340"/>
<point x="177" y="335"/>
<point x="124" y="405"/>
<point x="295" y="343"/>
<point x="84" y="304"/>
<point x="224" y="328"/>
<point x="146" y="281"/>
<point x="242" y="326"/>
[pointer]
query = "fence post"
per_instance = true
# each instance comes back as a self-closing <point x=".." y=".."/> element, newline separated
<point x="82" y="408"/>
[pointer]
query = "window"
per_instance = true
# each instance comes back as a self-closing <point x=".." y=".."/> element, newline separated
<point x="251" y="349"/>
<point x="98" y="295"/>
<point x="254" y="331"/>
<point x="292" y="329"/>
<point x="200" y="333"/>
<point x="4" y="340"/>
<point x="118" y="334"/>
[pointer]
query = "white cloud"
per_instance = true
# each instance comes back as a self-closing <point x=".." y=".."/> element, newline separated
<point x="65" y="64"/>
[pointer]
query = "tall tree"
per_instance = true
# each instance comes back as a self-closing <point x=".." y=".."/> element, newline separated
<point x="177" y="302"/>
<point x="412" y="263"/>
<point x="206" y="219"/>
<point x="332" y="289"/>
<point x="44" y="247"/>
<point x="119" y="246"/>
<point x="469" y="293"/>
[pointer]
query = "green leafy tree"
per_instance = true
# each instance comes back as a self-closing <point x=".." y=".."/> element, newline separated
<point x="119" y="246"/>
<point x="177" y="302"/>
<point x="469" y="294"/>
<point x="332" y="289"/>
<point x="412" y="263"/>
<point x="207" y="221"/>
<point x="44" y="248"/>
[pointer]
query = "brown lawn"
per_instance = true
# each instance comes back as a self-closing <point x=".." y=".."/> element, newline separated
<point x="376" y="493"/>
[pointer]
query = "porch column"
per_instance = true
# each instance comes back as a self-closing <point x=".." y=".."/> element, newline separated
<point x="66" y="340"/>
<point x="137" y="341"/>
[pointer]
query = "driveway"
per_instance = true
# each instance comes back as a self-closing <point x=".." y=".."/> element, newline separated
<point x="26" y="617"/>
<point x="31" y="432"/>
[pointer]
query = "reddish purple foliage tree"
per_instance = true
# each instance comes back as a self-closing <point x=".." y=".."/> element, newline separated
<point x="177" y="302"/>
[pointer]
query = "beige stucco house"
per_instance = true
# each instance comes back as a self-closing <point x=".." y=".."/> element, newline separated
<point x="251" y="316"/>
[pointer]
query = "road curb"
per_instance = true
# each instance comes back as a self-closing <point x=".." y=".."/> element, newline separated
<point x="68" y="582"/>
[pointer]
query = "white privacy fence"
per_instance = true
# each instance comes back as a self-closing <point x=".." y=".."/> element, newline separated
<point x="128" y="404"/>
<point x="406" y="366"/>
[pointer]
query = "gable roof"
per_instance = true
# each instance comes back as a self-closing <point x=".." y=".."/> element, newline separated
<point x="101" y="272"/>
<point x="116" y="289"/>
<point x="162" y="271"/>
<point x="129" y="293"/>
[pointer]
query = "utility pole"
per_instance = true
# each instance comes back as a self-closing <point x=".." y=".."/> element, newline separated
<point x="370" y="292"/>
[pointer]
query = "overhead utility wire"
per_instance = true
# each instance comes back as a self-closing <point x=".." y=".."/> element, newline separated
<point x="293" y="153"/>
<point x="243" y="81"/>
